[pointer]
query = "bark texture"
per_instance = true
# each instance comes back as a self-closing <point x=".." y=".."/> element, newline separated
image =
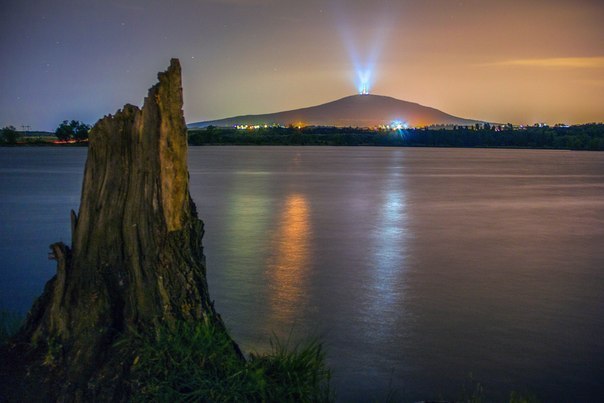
<point x="136" y="258"/>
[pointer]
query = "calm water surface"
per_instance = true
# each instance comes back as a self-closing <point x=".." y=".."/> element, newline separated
<point x="416" y="267"/>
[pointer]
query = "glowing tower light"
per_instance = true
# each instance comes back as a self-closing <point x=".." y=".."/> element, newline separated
<point x="364" y="80"/>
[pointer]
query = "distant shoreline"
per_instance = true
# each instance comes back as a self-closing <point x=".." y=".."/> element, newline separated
<point x="387" y="146"/>
<point x="45" y="144"/>
<point x="582" y="137"/>
<point x="589" y="137"/>
<point x="85" y="145"/>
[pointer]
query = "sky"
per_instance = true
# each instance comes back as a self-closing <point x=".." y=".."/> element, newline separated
<point x="502" y="61"/>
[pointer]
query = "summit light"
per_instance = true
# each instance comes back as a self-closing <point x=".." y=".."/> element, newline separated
<point x="364" y="81"/>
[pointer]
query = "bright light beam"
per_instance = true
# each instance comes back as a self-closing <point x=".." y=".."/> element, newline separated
<point x="365" y="66"/>
<point x="364" y="80"/>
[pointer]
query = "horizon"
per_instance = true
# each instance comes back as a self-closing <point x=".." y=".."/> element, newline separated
<point x="529" y="124"/>
<point x="514" y="62"/>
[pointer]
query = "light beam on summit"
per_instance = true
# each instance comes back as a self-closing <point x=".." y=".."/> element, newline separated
<point x="364" y="82"/>
<point x="364" y="43"/>
<point x="364" y="90"/>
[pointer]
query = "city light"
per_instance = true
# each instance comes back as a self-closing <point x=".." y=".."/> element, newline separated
<point x="257" y="127"/>
<point x="398" y="125"/>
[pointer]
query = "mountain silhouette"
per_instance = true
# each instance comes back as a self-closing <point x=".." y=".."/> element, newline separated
<point x="351" y="111"/>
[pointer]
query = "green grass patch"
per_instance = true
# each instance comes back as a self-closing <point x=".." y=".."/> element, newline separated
<point x="199" y="362"/>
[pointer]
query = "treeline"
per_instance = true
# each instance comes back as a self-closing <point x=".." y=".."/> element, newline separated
<point x="68" y="132"/>
<point x="74" y="130"/>
<point x="580" y="137"/>
<point x="9" y="135"/>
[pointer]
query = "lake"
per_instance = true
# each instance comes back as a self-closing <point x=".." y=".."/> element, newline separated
<point x="421" y="270"/>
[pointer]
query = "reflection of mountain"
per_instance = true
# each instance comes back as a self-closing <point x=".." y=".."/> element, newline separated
<point x="291" y="242"/>
<point x="354" y="111"/>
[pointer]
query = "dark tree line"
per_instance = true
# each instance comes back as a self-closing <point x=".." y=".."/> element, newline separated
<point x="580" y="137"/>
<point x="74" y="130"/>
<point x="9" y="135"/>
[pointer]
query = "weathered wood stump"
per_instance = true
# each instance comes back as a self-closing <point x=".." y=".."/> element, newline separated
<point x="136" y="259"/>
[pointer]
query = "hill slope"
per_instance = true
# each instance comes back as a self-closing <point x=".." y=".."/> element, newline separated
<point x="354" y="111"/>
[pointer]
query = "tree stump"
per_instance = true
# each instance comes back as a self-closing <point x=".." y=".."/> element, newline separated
<point x="136" y="259"/>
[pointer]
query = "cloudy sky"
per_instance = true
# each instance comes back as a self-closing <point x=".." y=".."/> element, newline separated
<point x="505" y="61"/>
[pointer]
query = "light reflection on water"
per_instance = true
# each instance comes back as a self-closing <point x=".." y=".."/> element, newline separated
<point x="246" y="222"/>
<point x="287" y="268"/>
<point x="388" y="243"/>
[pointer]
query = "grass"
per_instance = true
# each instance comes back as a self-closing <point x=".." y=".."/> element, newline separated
<point x="198" y="362"/>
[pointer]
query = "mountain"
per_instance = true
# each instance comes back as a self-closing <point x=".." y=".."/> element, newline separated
<point x="353" y="111"/>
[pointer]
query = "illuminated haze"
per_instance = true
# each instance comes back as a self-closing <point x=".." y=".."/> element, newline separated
<point x="501" y="61"/>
